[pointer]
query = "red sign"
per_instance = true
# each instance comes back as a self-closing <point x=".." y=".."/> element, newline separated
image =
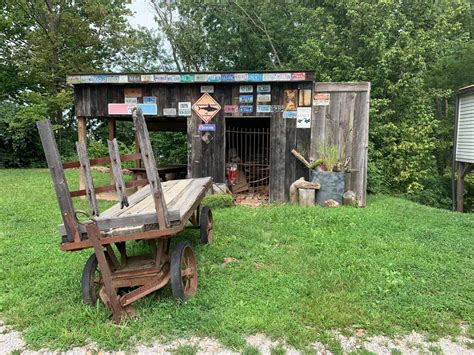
<point x="298" y="76"/>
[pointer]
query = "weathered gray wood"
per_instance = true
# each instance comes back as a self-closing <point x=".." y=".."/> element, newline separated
<point x="108" y="223"/>
<point x="342" y="87"/>
<point x="87" y="176"/>
<point x="150" y="165"/>
<point x="116" y="165"/>
<point x="59" y="180"/>
<point x="306" y="197"/>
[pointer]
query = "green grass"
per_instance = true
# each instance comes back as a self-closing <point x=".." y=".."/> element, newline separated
<point x="390" y="268"/>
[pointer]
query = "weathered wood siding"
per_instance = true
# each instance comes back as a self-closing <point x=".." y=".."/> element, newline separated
<point x="345" y="122"/>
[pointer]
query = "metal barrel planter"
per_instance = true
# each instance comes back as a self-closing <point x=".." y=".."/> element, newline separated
<point x="332" y="185"/>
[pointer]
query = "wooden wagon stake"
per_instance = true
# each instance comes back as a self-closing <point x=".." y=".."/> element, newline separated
<point x="93" y="233"/>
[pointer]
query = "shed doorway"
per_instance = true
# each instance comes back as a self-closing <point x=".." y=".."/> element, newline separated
<point x="248" y="158"/>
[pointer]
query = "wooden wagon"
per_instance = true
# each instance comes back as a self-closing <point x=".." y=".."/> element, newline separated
<point x="154" y="213"/>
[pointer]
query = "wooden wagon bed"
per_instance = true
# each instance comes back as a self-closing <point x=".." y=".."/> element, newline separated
<point x="181" y="196"/>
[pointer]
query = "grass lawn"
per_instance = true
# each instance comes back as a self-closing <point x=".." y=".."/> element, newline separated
<point x="390" y="268"/>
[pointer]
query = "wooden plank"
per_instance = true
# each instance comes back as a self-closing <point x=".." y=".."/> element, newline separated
<point x="108" y="188"/>
<point x="194" y="140"/>
<point x="87" y="176"/>
<point x="116" y="168"/>
<point x="148" y="158"/>
<point x="277" y="150"/>
<point x="360" y="147"/>
<point x="59" y="180"/>
<point x="342" y="87"/>
<point x="103" y="160"/>
<point x="112" y="131"/>
<point x="107" y="223"/>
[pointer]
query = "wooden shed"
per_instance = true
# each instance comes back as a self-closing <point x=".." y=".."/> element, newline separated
<point x="464" y="141"/>
<point x="252" y="119"/>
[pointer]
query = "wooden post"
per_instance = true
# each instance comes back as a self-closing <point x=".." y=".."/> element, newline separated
<point x="137" y="150"/>
<point x="460" y="188"/>
<point x="81" y="137"/>
<point x="112" y="129"/>
<point x="59" y="179"/>
<point x="148" y="158"/>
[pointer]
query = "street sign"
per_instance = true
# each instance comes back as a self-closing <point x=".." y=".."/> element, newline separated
<point x="207" y="127"/>
<point x="206" y="107"/>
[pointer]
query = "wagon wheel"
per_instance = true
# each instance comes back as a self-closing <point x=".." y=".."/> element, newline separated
<point x="207" y="225"/>
<point x="183" y="271"/>
<point x="91" y="281"/>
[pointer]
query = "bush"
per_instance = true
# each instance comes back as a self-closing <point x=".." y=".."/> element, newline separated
<point x="218" y="201"/>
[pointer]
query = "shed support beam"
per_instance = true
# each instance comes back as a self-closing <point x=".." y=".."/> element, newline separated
<point x="463" y="170"/>
<point x="112" y="129"/>
<point x="81" y="137"/>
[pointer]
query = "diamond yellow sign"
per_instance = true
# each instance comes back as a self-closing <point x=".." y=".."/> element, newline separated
<point x="206" y="107"/>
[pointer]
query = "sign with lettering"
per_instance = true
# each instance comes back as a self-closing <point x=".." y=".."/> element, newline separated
<point x="303" y="117"/>
<point x="206" y="107"/>
<point x="245" y="88"/>
<point x="133" y="78"/>
<point x="228" y="77"/>
<point x="246" y="99"/>
<point x="131" y="100"/>
<point x="264" y="88"/>
<point x="298" y="76"/>
<point x="207" y="88"/>
<point x="289" y="114"/>
<point x="231" y="108"/>
<point x="169" y="111"/>
<point x="207" y="127"/>
<point x="264" y="108"/>
<point x="321" y="99"/>
<point x="264" y="98"/>
<point x="187" y="78"/>
<point x="214" y="78"/>
<point x="126" y="109"/>
<point x="255" y="77"/>
<point x="184" y="108"/>
<point x="149" y="99"/>
<point x="241" y="77"/>
<point x="147" y="78"/>
<point x="290" y="100"/>
<point x="246" y="108"/>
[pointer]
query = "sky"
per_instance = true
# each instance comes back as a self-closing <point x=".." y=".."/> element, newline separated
<point x="142" y="14"/>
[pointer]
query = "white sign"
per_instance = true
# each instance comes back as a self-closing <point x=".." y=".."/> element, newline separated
<point x="184" y="109"/>
<point x="246" y="88"/>
<point x="264" y="98"/>
<point x="169" y="111"/>
<point x="321" y="99"/>
<point x="207" y="88"/>
<point x="264" y="88"/>
<point x="303" y="117"/>
<point x="131" y="100"/>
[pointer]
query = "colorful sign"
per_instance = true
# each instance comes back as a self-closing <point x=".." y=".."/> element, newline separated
<point x="132" y="92"/>
<point x="149" y="99"/>
<point x="147" y="78"/>
<point x="246" y="99"/>
<point x="264" y="108"/>
<point x="321" y="99"/>
<point x="231" y="108"/>
<point x="246" y="108"/>
<point x="264" y="88"/>
<point x="207" y="88"/>
<point x="187" y="78"/>
<point x="206" y="107"/>
<point x="289" y="114"/>
<point x="298" y="76"/>
<point x="264" y="98"/>
<point x="126" y="109"/>
<point x="184" y="109"/>
<point x="245" y="88"/>
<point x="228" y="77"/>
<point x="169" y="111"/>
<point x="303" y="117"/>
<point x="214" y="78"/>
<point x="207" y="127"/>
<point x="255" y="77"/>
<point x="131" y="100"/>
